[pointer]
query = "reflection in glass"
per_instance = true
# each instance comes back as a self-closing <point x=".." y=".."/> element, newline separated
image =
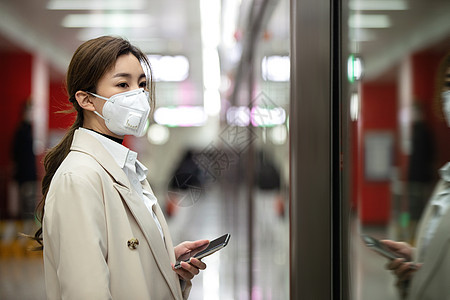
<point x="402" y="44"/>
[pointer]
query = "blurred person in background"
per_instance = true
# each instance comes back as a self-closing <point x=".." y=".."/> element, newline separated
<point x="25" y="163"/>
<point x="103" y="233"/>
<point x="421" y="171"/>
<point x="186" y="184"/>
<point x="424" y="271"/>
<point x="25" y="174"/>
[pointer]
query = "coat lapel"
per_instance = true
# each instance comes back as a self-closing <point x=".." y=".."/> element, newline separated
<point x="162" y="220"/>
<point x="434" y="252"/>
<point x="88" y="144"/>
<point x="152" y="235"/>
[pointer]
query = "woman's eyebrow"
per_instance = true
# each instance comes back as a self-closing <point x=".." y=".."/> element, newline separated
<point x="127" y="75"/>
<point x="121" y="75"/>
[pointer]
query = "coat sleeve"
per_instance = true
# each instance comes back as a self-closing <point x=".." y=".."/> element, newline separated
<point x="186" y="290"/>
<point x="75" y="242"/>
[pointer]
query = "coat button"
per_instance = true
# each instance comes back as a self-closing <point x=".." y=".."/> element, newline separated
<point x="133" y="243"/>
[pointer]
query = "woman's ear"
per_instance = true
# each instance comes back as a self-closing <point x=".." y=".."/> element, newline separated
<point x="84" y="100"/>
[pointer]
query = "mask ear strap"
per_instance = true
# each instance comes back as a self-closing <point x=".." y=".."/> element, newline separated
<point x="98" y="96"/>
<point x="98" y="114"/>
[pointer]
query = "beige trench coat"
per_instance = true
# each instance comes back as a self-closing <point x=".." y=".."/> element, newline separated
<point x="91" y="213"/>
<point x="432" y="281"/>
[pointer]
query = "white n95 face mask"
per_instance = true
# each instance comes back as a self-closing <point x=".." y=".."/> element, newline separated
<point x="446" y="106"/>
<point x="126" y="113"/>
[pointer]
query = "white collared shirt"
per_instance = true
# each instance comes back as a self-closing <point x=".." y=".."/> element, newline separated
<point x="134" y="169"/>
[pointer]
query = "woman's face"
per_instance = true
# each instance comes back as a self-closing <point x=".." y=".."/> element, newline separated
<point x="126" y="75"/>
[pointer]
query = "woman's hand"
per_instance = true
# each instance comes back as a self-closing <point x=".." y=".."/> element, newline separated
<point x="402" y="268"/>
<point x="189" y="270"/>
<point x="402" y="249"/>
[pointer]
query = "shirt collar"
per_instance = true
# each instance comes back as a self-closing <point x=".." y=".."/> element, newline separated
<point x="119" y="152"/>
<point x="445" y="172"/>
<point x="442" y="200"/>
<point x="141" y="170"/>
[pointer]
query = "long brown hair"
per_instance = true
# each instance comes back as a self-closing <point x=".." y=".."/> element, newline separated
<point x="90" y="61"/>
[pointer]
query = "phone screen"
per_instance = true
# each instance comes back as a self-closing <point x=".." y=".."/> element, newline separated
<point x="204" y="250"/>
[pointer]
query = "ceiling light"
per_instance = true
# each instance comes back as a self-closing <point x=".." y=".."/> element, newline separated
<point x="169" y="68"/>
<point x="210" y="35"/>
<point x="276" y="68"/>
<point x="158" y="134"/>
<point x="95" y="5"/>
<point x="369" y="21"/>
<point x="378" y="5"/>
<point x="106" y="20"/>
<point x="354" y="68"/>
<point x="278" y="135"/>
<point x="211" y="102"/>
<point x="86" y="34"/>
<point x="183" y="116"/>
<point x="355" y="107"/>
<point x="362" y="35"/>
<point x="267" y="117"/>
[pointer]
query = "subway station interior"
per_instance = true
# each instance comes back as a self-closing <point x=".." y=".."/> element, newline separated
<point x="297" y="127"/>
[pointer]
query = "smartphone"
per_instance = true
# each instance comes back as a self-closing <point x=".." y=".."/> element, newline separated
<point x="204" y="250"/>
<point x="379" y="247"/>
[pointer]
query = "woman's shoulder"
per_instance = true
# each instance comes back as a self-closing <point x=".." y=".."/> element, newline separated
<point x="79" y="163"/>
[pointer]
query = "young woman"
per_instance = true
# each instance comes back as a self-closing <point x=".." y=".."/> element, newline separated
<point x="104" y="235"/>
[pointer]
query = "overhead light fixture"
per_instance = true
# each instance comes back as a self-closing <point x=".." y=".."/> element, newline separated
<point x="210" y="34"/>
<point x="267" y="117"/>
<point x="362" y="35"/>
<point x="378" y="5"/>
<point x="158" y="134"/>
<point x="95" y="5"/>
<point x="355" y="106"/>
<point x="354" y="68"/>
<point x="86" y="34"/>
<point x="278" y="135"/>
<point x="106" y="20"/>
<point x="181" y="116"/>
<point x="276" y="68"/>
<point x="369" y="21"/>
<point x="169" y="68"/>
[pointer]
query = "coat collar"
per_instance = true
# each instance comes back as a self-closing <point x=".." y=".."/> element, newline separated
<point x="86" y="143"/>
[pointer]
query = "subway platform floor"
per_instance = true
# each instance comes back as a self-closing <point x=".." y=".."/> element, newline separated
<point x="227" y="277"/>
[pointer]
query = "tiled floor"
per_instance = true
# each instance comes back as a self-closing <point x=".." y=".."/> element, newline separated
<point x="226" y="278"/>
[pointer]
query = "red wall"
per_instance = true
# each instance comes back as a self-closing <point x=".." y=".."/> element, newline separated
<point x="58" y="102"/>
<point x="378" y="113"/>
<point x="15" y="76"/>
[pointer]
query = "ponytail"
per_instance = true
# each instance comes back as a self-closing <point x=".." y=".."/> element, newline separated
<point x="52" y="161"/>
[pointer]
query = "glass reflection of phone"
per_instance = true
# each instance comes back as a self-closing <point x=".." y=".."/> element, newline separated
<point x="379" y="247"/>
<point x="204" y="250"/>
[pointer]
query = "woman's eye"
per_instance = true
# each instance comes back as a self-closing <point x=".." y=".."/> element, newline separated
<point x="143" y="84"/>
<point x="122" y="85"/>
